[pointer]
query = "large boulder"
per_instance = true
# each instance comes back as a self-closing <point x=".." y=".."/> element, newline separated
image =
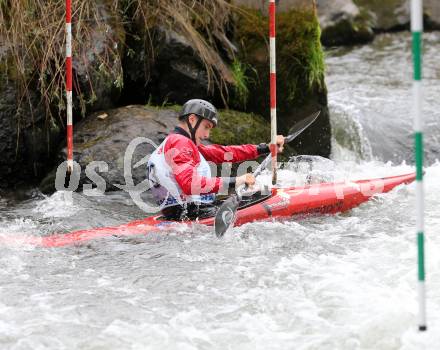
<point x="180" y="73"/>
<point x="300" y="69"/>
<point x="343" y="23"/>
<point x="387" y="15"/>
<point x="105" y="137"/>
<point x="164" y="64"/>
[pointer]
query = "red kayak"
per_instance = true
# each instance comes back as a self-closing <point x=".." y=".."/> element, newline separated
<point x="283" y="203"/>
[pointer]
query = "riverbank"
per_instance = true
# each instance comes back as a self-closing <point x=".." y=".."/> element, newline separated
<point x="155" y="53"/>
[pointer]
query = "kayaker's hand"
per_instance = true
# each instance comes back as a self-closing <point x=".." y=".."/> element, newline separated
<point x="246" y="179"/>
<point x="280" y="143"/>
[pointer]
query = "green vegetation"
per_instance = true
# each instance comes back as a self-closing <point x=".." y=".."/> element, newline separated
<point x="236" y="128"/>
<point x="239" y="128"/>
<point x="33" y="33"/>
<point x="300" y="53"/>
<point x="300" y="58"/>
<point x="240" y="72"/>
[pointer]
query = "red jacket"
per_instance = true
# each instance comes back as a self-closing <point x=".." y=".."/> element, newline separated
<point x="182" y="154"/>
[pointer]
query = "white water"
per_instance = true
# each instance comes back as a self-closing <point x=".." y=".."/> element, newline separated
<point x="344" y="281"/>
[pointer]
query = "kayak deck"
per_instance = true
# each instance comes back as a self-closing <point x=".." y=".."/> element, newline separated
<point x="322" y="198"/>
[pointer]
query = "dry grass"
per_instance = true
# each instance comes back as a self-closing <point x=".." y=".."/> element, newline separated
<point x="201" y="22"/>
<point x="33" y="31"/>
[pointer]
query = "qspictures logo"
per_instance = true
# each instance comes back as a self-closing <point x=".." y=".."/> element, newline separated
<point x="199" y="186"/>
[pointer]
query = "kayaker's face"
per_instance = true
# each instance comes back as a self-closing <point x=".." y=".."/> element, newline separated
<point x="202" y="132"/>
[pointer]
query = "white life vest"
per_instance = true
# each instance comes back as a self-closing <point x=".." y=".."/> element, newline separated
<point x="164" y="186"/>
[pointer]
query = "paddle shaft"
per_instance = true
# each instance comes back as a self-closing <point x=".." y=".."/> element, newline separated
<point x="301" y="127"/>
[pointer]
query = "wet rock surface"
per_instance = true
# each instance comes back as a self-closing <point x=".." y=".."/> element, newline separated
<point x="349" y="22"/>
<point x="343" y="23"/>
<point x="27" y="138"/>
<point x="105" y="137"/>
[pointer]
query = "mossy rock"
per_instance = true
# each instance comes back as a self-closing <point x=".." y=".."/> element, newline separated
<point x="240" y="128"/>
<point x="301" y="88"/>
<point x="236" y="128"/>
<point x="300" y="60"/>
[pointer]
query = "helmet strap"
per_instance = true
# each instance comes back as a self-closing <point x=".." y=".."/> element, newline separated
<point x="193" y="130"/>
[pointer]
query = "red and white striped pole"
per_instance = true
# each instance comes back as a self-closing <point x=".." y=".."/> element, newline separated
<point x="273" y="91"/>
<point x="69" y="85"/>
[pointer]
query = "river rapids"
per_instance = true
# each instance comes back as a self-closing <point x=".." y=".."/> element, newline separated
<point x="346" y="281"/>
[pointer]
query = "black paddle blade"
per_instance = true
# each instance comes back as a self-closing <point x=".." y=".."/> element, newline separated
<point x="225" y="216"/>
<point x="299" y="127"/>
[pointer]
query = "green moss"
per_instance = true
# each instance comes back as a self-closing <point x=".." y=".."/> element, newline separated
<point x="300" y="58"/>
<point x="237" y="128"/>
<point x="164" y="105"/>
<point x="300" y="47"/>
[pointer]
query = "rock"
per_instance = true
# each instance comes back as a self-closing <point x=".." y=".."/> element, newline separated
<point x="343" y="23"/>
<point x="432" y="14"/>
<point x="236" y="128"/>
<point x="106" y="140"/>
<point x="27" y="138"/>
<point x="29" y="134"/>
<point x="329" y="12"/>
<point x="179" y="73"/>
<point x="346" y="22"/>
<point x="387" y="15"/>
<point x="173" y="71"/>
<point x="391" y="15"/>
<point x="97" y="64"/>
<point x="300" y="70"/>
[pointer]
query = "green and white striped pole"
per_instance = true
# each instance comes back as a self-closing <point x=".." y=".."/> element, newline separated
<point x="417" y="30"/>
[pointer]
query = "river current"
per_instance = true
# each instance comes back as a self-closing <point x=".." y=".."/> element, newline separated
<point x="346" y="281"/>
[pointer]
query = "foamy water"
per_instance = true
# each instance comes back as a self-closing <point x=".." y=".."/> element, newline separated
<point x="346" y="281"/>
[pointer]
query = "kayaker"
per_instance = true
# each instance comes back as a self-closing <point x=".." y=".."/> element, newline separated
<point x="178" y="171"/>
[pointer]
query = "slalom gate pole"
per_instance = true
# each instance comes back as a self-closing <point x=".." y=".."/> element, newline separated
<point x="69" y="85"/>
<point x="273" y="91"/>
<point x="417" y="30"/>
